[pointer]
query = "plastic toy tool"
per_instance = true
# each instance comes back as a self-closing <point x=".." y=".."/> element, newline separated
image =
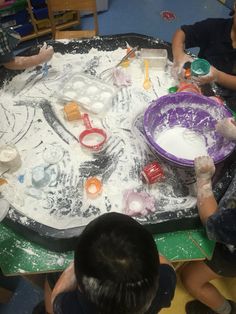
<point x="200" y="67"/>
<point x="93" y="187"/>
<point x="147" y="82"/>
<point x="152" y="172"/>
<point x="92" y="138"/>
<point x="72" y="111"/>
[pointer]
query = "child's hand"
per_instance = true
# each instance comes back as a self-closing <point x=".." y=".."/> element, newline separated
<point x="227" y="128"/>
<point x="45" y="53"/>
<point x="177" y="70"/>
<point x="206" y="79"/>
<point x="204" y="168"/>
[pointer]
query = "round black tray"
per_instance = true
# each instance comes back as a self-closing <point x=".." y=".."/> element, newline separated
<point x="62" y="240"/>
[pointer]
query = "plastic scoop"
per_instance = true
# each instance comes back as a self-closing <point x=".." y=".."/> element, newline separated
<point x="147" y="83"/>
<point x="92" y="138"/>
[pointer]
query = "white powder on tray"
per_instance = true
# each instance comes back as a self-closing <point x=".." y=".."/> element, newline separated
<point x="63" y="203"/>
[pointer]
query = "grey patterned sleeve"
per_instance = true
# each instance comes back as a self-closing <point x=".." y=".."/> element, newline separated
<point x="221" y="227"/>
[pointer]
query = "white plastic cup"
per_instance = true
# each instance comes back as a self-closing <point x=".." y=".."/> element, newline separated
<point x="10" y="158"/>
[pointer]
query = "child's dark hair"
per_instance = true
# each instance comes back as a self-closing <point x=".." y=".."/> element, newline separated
<point x="117" y="265"/>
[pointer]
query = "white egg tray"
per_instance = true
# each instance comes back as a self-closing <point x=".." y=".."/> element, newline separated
<point x="91" y="93"/>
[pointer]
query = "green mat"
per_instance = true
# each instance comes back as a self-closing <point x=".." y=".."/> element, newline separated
<point x="19" y="256"/>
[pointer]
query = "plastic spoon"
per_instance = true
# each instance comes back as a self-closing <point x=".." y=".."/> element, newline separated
<point x="147" y="84"/>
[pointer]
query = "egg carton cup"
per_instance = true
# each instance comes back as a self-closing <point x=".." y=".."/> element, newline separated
<point x="90" y="93"/>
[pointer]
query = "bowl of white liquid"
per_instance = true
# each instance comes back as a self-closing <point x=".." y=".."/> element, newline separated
<point x="180" y="127"/>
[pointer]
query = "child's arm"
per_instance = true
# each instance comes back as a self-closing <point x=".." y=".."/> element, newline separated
<point x="66" y="282"/>
<point x="206" y="202"/>
<point x="227" y="128"/>
<point x="178" y="50"/>
<point x="21" y="63"/>
<point x="163" y="260"/>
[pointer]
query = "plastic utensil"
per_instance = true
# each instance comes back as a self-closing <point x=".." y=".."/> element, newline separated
<point x="108" y="72"/>
<point x="72" y="111"/>
<point x="45" y="69"/>
<point x="200" y="67"/>
<point x="93" y="186"/>
<point x="10" y="158"/>
<point x="147" y="83"/>
<point x="157" y="58"/>
<point x="92" y="138"/>
<point x="152" y="172"/>
<point x="172" y="89"/>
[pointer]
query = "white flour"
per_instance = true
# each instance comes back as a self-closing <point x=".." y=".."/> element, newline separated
<point x="181" y="142"/>
<point x="63" y="203"/>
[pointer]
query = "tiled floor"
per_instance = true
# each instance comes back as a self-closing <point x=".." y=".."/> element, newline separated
<point x="226" y="286"/>
<point x="137" y="16"/>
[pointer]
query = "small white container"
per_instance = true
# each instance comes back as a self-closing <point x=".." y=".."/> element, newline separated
<point x="157" y="57"/>
<point x="10" y="158"/>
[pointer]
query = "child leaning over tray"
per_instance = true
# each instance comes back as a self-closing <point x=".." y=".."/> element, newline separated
<point x="220" y="223"/>
<point x="9" y="39"/>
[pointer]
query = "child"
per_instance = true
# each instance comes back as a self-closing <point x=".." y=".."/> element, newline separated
<point x="216" y="38"/>
<point x="9" y="39"/>
<point x="220" y="223"/>
<point x="116" y="270"/>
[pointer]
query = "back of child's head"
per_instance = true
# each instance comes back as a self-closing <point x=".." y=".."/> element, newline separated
<point x="117" y="265"/>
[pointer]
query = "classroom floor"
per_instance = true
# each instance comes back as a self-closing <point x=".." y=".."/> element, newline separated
<point x="226" y="286"/>
<point x="144" y="17"/>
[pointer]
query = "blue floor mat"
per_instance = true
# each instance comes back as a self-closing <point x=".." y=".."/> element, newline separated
<point x="24" y="299"/>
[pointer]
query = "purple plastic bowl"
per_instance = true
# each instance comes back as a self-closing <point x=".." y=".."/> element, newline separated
<point x="191" y="111"/>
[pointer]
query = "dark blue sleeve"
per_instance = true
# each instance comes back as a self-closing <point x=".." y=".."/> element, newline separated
<point x="6" y="58"/>
<point x="198" y="34"/>
<point x="221" y="227"/>
<point x="72" y="302"/>
<point x="66" y="303"/>
<point x="166" y="290"/>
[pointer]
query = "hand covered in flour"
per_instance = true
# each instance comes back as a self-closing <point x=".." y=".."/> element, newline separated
<point x="227" y="128"/>
<point x="206" y="79"/>
<point x="204" y="168"/>
<point x="45" y="53"/>
<point x="177" y="70"/>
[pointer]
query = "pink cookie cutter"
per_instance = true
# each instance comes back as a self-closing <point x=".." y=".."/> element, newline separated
<point x="138" y="203"/>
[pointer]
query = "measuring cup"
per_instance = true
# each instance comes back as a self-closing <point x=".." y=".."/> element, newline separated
<point x="92" y="138"/>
